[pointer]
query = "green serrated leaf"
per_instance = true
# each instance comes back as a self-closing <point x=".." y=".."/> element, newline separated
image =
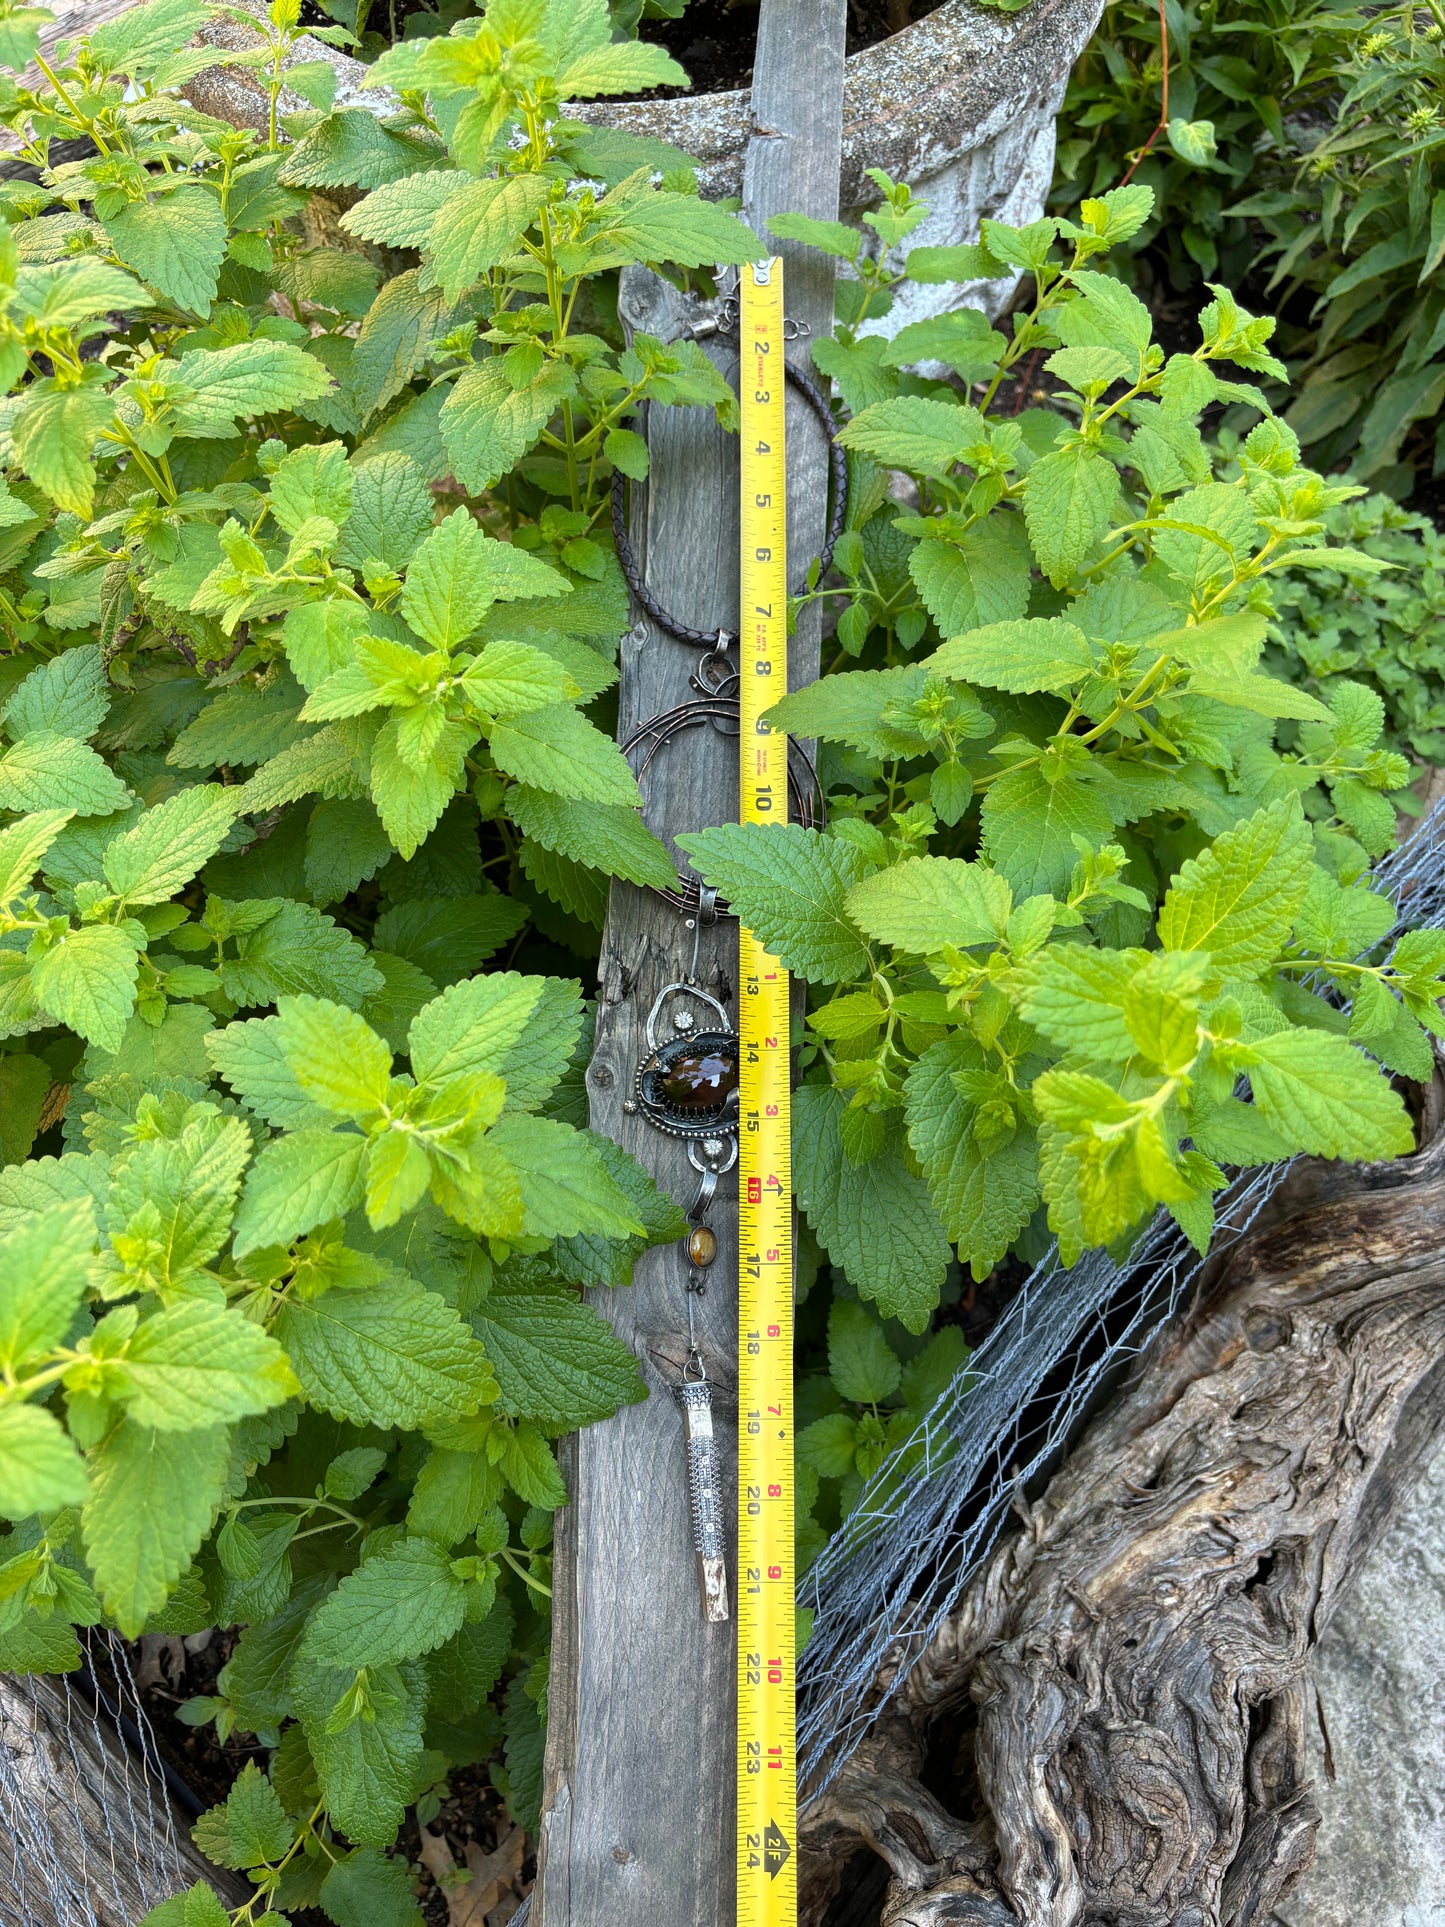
<point x="1045" y="653"/>
<point x="172" y="1198"/>
<point x="250" y="1829"/>
<point x="298" y="1182"/>
<point x="555" y="1358"/>
<point x="44" y="1265"/>
<point x="488" y="425"/>
<point x="985" y="1190"/>
<point x="196" y="1365"/>
<point x="564" y="1183"/>
<point x="369" y="1888"/>
<point x="557" y="749"/>
<point x="928" y="903"/>
<point x="1069" y="498"/>
<point x="86" y="979"/>
<point x="298" y="950"/>
<point x="1324" y="1096"/>
<point x="979" y="579"/>
<point x="367" y="1766"/>
<point x="449" y="587"/>
<point x="47" y="772"/>
<point x="875" y="1219"/>
<point x="40" y="1470"/>
<point x="22" y="849"/>
<point x="151" y="1500"/>
<point x="334" y="1055"/>
<point x="398" y="1604"/>
<point x="448" y="937"/>
<point x="607" y="837"/>
<point x="55" y="431"/>
<point x="925" y="437"/>
<point x="1029" y="825"/>
<point x="1238" y="898"/>
<point x="790" y="887"/>
<point x="391" y="512"/>
<point x="68" y="697"/>
<point x="473" y="1026"/>
<point x="170" y="843"/>
<point x="250" y="1058"/>
<point x="176" y="242"/>
<point x="385" y="1355"/>
<point x="476" y="229"/>
<point x="861" y="1363"/>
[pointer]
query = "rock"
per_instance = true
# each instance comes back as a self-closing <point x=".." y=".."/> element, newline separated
<point x="1380" y="1853"/>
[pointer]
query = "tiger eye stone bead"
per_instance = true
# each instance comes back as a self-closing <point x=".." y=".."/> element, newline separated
<point x="699" y="1080"/>
<point x="702" y="1246"/>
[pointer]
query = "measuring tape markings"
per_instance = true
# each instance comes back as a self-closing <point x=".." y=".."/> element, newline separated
<point x="766" y="1759"/>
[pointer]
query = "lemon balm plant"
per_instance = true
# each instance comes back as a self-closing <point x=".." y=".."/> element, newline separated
<point x="1076" y="900"/>
<point x="306" y="597"/>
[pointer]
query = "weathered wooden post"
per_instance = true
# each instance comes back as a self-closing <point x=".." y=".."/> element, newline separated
<point x="637" y="1823"/>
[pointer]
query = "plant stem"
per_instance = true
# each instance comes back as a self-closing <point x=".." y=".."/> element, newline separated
<point x="86" y="127"/>
<point x="522" y="1573"/>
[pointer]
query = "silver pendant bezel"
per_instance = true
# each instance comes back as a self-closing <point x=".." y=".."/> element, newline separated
<point x="687" y="1035"/>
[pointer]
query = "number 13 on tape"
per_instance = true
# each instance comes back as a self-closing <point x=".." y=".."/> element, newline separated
<point x="767" y="1794"/>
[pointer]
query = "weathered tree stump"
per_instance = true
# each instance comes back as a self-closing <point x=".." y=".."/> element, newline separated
<point x="1122" y="1695"/>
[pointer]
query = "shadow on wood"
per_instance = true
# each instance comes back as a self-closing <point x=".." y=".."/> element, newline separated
<point x="1120" y="1700"/>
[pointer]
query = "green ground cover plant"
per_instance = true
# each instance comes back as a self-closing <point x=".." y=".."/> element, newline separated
<point x="1304" y="150"/>
<point x="1386" y="631"/>
<point x="309" y="803"/>
<point x="294" y="743"/>
<point x="1234" y="75"/>
<point x="1077" y="893"/>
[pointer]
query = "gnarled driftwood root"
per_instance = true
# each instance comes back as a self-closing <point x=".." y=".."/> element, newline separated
<point x="1122" y="1692"/>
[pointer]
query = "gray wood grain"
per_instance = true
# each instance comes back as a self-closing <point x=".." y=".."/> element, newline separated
<point x="637" y="1823"/>
<point x="88" y="1838"/>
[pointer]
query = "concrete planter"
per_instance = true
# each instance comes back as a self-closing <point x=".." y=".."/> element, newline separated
<point x="961" y="105"/>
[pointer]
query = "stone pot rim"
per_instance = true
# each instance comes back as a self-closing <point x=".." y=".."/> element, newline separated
<point x="938" y="88"/>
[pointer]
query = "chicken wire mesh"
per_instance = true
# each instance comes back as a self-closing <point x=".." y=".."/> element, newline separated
<point x="93" y="1837"/>
<point x="936" y="1506"/>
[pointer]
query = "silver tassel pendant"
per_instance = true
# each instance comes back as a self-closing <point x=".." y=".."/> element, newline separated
<point x="704" y="1501"/>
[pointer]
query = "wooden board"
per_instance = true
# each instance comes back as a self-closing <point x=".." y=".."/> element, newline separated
<point x="637" y="1825"/>
<point x="73" y="17"/>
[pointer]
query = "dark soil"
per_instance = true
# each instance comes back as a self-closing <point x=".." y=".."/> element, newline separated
<point x="980" y="1306"/>
<point x="166" y="1670"/>
<point x="473" y="1811"/>
<point x="714" y="39"/>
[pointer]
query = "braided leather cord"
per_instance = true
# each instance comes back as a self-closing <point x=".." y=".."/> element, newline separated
<point x="838" y="505"/>
<point x="718" y="705"/>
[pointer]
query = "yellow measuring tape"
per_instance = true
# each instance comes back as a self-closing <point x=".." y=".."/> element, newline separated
<point x="766" y="1768"/>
